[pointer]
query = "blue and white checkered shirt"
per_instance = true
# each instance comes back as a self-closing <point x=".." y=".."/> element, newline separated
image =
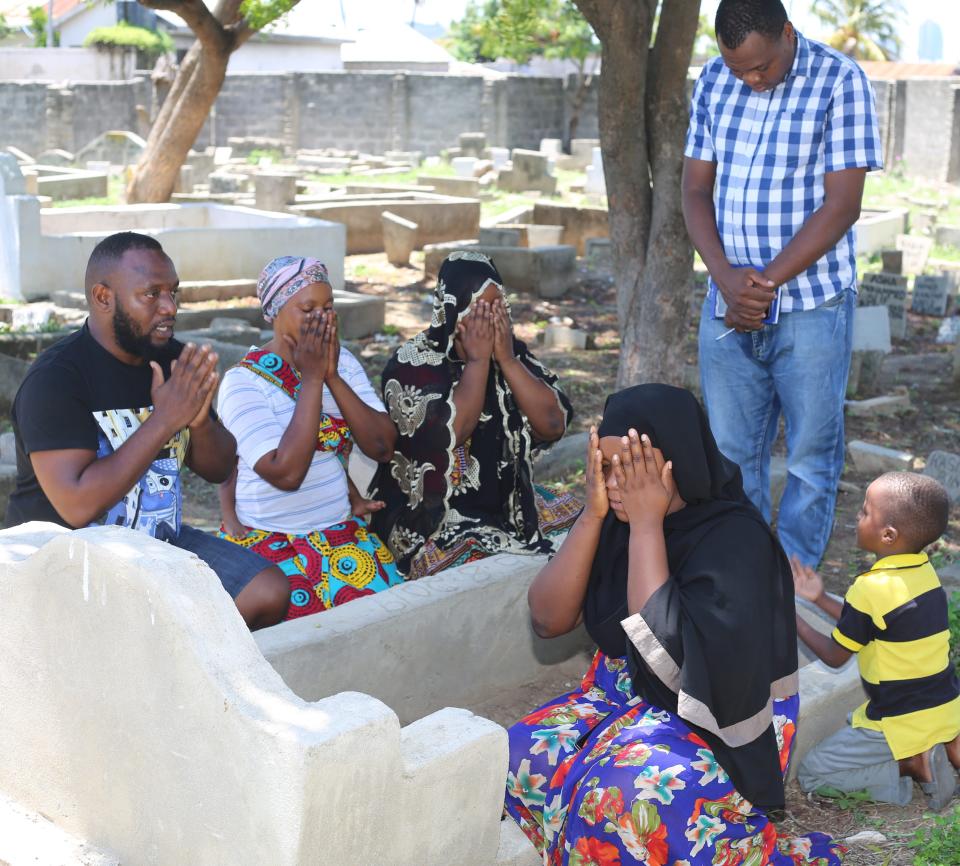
<point x="772" y="150"/>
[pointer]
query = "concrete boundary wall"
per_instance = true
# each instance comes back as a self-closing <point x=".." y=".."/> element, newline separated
<point x="140" y="716"/>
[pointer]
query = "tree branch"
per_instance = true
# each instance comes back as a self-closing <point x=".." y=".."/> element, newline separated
<point x="198" y="17"/>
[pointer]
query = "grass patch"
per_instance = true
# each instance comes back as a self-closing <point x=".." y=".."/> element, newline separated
<point x="938" y="844"/>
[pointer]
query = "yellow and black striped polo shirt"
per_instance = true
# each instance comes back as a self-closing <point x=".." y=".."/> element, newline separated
<point x="895" y="617"/>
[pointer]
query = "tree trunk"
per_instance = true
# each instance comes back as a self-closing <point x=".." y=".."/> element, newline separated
<point x="178" y="124"/>
<point x="642" y="117"/>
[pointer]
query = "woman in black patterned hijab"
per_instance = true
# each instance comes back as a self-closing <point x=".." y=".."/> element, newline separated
<point x="472" y="405"/>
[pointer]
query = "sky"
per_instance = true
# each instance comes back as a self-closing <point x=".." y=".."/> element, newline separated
<point x="946" y="13"/>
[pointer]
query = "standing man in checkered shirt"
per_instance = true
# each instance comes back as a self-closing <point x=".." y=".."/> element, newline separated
<point x="782" y="133"/>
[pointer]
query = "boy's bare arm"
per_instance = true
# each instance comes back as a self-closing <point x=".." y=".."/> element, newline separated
<point x="824" y="647"/>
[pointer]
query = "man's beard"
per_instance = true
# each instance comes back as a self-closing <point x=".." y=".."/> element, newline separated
<point x="131" y="339"/>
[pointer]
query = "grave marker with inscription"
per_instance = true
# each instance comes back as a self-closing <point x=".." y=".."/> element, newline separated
<point x="916" y="251"/>
<point x="945" y="468"/>
<point x="930" y="295"/>
<point x="890" y="291"/>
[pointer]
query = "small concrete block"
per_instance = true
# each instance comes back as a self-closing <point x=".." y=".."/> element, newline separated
<point x="8" y="449"/>
<point x="891" y="404"/>
<point x="463" y="165"/>
<point x="871" y="330"/>
<point x="274" y="191"/>
<point x="949" y="331"/>
<point x="499" y="156"/>
<point x="892" y="261"/>
<point x="399" y="238"/>
<point x="945" y="468"/>
<point x="564" y="337"/>
<point x="515" y="848"/>
<point x="869" y="459"/>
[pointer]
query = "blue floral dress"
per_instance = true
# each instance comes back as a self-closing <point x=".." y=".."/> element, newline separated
<point x="600" y="777"/>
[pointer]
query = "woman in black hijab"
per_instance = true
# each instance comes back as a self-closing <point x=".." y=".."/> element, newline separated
<point x="472" y="405"/>
<point x="675" y="746"/>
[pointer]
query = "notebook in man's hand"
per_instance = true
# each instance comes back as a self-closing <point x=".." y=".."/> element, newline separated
<point x="773" y="312"/>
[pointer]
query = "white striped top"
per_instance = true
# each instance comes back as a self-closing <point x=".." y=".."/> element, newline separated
<point x="257" y="413"/>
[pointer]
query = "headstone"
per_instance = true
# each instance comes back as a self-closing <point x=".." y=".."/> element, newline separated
<point x="564" y="337"/>
<point x="949" y="331"/>
<point x="551" y="146"/>
<point x="596" y="182"/>
<point x="945" y="468"/>
<point x="473" y="144"/>
<point x="500" y="156"/>
<point x="226" y="182"/>
<point x="930" y="295"/>
<point x="222" y="155"/>
<point x="948" y="236"/>
<point x="599" y="252"/>
<point x="916" y="251"/>
<point x="581" y="149"/>
<point x="871" y="330"/>
<point x="463" y="165"/>
<point x="274" y="191"/>
<point x="399" y="238"/>
<point x="923" y="220"/>
<point x="11" y="178"/>
<point x="892" y="261"/>
<point x="530" y="171"/>
<point x="890" y="291"/>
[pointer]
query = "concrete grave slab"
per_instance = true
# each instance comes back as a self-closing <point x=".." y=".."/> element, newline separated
<point x="61" y="183"/>
<point x="916" y="251"/>
<point x="56" y="156"/>
<point x="878" y="229"/>
<point x="439" y="218"/>
<point x="472" y="144"/>
<point x="888" y="404"/>
<point x="530" y="170"/>
<point x="870" y="459"/>
<point x="205" y="241"/>
<point x="931" y="294"/>
<point x="579" y="223"/>
<point x="890" y="291"/>
<point x="152" y="774"/>
<point x="945" y="468"/>
<point x="445" y="185"/>
<point x="116" y="147"/>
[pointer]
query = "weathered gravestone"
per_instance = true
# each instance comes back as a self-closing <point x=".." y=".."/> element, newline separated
<point x="890" y="291"/>
<point x="916" y="251"/>
<point x="949" y="331"/>
<point x="945" y="468"/>
<point x="891" y="261"/>
<point x="930" y="295"/>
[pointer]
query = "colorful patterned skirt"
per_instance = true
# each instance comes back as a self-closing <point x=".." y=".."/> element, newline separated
<point x="556" y="512"/>
<point x="599" y="777"/>
<point x="328" y="567"/>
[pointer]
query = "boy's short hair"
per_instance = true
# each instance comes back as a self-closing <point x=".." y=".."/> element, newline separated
<point x="917" y="506"/>
<point x="737" y="19"/>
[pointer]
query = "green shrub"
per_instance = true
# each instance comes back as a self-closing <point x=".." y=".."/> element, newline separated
<point x="150" y="44"/>
<point x="953" y="610"/>
<point x="938" y="844"/>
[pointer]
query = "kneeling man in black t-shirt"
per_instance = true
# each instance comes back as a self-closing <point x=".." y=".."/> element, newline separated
<point x="107" y="417"/>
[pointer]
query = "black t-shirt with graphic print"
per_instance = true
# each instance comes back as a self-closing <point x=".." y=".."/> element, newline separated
<point x="78" y="395"/>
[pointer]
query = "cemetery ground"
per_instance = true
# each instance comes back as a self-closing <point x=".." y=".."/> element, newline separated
<point x="919" y="367"/>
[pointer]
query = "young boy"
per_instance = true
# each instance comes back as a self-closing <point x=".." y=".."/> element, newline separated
<point x="895" y="618"/>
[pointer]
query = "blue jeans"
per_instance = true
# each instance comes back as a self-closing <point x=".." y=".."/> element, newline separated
<point x="798" y="367"/>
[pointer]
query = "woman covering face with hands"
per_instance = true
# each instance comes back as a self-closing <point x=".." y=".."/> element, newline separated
<point x="675" y="745"/>
<point x="296" y="406"/>
<point x="471" y="404"/>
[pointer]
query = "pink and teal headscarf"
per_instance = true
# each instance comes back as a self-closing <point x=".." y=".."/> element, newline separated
<point x="283" y="278"/>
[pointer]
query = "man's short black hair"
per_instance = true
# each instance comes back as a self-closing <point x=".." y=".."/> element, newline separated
<point x="916" y="505"/>
<point x="111" y="249"/>
<point x="737" y="19"/>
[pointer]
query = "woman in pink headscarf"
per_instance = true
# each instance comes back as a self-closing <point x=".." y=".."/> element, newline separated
<point x="296" y="406"/>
